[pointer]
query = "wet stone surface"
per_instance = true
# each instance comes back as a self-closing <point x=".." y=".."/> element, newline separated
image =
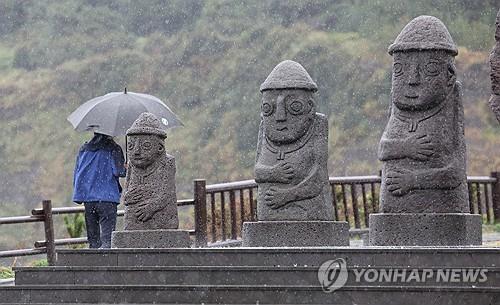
<point x="294" y="205"/>
<point x="150" y="200"/>
<point x="423" y="146"/>
<point x="495" y="71"/>
<point x="292" y="149"/>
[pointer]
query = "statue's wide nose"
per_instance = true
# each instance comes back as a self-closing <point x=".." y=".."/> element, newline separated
<point x="280" y="109"/>
<point x="414" y="77"/>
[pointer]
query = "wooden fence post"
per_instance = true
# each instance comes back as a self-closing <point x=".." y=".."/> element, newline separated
<point x="200" y="212"/>
<point x="49" y="232"/>
<point x="495" y="190"/>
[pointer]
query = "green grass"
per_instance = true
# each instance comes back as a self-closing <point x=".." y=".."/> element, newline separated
<point x="40" y="263"/>
<point x="6" y="273"/>
<point x="491" y="228"/>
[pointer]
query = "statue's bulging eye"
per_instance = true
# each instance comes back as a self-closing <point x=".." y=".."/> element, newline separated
<point x="296" y="107"/>
<point x="267" y="109"/>
<point x="398" y="69"/>
<point x="130" y="145"/>
<point x="432" y="69"/>
<point x="147" y="145"/>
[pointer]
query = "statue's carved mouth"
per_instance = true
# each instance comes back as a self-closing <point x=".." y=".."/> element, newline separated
<point x="282" y="128"/>
<point x="411" y="95"/>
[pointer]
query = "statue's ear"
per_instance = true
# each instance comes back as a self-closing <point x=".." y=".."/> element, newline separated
<point x="452" y="75"/>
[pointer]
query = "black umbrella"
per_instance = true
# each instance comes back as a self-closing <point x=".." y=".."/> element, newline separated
<point x="112" y="114"/>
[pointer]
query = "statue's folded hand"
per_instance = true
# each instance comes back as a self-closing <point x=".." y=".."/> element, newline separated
<point x="419" y="147"/>
<point x="145" y="211"/>
<point x="284" y="172"/>
<point x="275" y="198"/>
<point x="400" y="182"/>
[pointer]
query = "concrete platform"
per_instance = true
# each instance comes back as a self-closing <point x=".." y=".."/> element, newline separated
<point x="249" y="295"/>
<point x="257" y="275"/>
<point x="422" y="257"/>
<point x="227" y="275"/>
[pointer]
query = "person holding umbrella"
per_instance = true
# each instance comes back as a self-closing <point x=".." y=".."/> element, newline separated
<point x="100" y="161"/>
<point x="99" y="165"/>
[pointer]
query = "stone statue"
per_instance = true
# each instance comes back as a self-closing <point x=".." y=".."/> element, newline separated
<point x="292" y="150"/>
<point x="423" y="146"/>
<point x="495" y="71"/>
<point x="149" y="195"/>
<point x="294" y="205"/>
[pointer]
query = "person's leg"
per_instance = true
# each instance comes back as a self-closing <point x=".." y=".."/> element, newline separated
<point x="107" y="221"/>
<point x="92" y="224"/>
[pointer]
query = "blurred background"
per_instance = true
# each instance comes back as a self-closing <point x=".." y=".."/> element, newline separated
<point x="206" y="60"/>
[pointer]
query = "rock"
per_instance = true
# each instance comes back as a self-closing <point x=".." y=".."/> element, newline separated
<point x="149" y="195"/>
<point x="495" y="72"/>
<point x="423" y="145"/>
<point x="291" y="164"/>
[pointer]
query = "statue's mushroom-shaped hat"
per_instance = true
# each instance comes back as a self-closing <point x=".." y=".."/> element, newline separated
<point x="147" y="124"/>
<point x="289" y="74"/>
<point x="424" y="33"/>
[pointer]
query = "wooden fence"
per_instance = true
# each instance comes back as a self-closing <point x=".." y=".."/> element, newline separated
<point x="220" y="209"/>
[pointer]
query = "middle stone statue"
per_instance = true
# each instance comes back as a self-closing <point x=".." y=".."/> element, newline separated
<point x="294" y="205"/>
<point x="292" y="150"/>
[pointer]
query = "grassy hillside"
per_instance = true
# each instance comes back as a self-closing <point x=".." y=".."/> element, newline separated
<point x="206" y="59"/>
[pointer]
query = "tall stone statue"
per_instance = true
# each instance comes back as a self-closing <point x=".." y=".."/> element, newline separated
<point x="495" y="71"/>
<point x="423" y="196"/>
<point x="294" y="205"/>
<point x="149" y="195"/>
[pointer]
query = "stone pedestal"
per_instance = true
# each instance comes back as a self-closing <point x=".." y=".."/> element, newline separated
<point x="295" y="234"/>
<point x="405" y="229"/>
<point x="151" y="239"/>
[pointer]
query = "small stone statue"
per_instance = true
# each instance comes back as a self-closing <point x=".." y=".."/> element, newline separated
<point x="495" y="71"/>
<point x="294" y="207"/>
<point x="149" y="195"/>
<point x="423" y="193"/>
<point x="292" y="149"/>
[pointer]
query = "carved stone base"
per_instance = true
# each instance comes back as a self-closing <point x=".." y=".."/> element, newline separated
<point x="295" y="234"/>
<point x="451" y="229"/>
<point x="150" y="239"/>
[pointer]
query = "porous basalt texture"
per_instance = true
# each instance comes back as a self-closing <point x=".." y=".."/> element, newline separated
<point x="294" y="205"/>
<point x="289" y="74"/>
<point x="423" y="146"/>
<point x="295" y="234"/>
<point x="149" y="195"/>
<point x="292" y="150"/>
<point x="151" y="239"/>
<point x="425" y="229"/>
<point x="495" y="72"/>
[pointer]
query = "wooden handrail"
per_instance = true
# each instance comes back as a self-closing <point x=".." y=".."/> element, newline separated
<point x="22" y="252"/>
<point x="228" y="186"/>
<point x="20" y="219"/>
<point x="484" y="193"/>
<point x="81" y="209"/>
<point x="354" y="179"/>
